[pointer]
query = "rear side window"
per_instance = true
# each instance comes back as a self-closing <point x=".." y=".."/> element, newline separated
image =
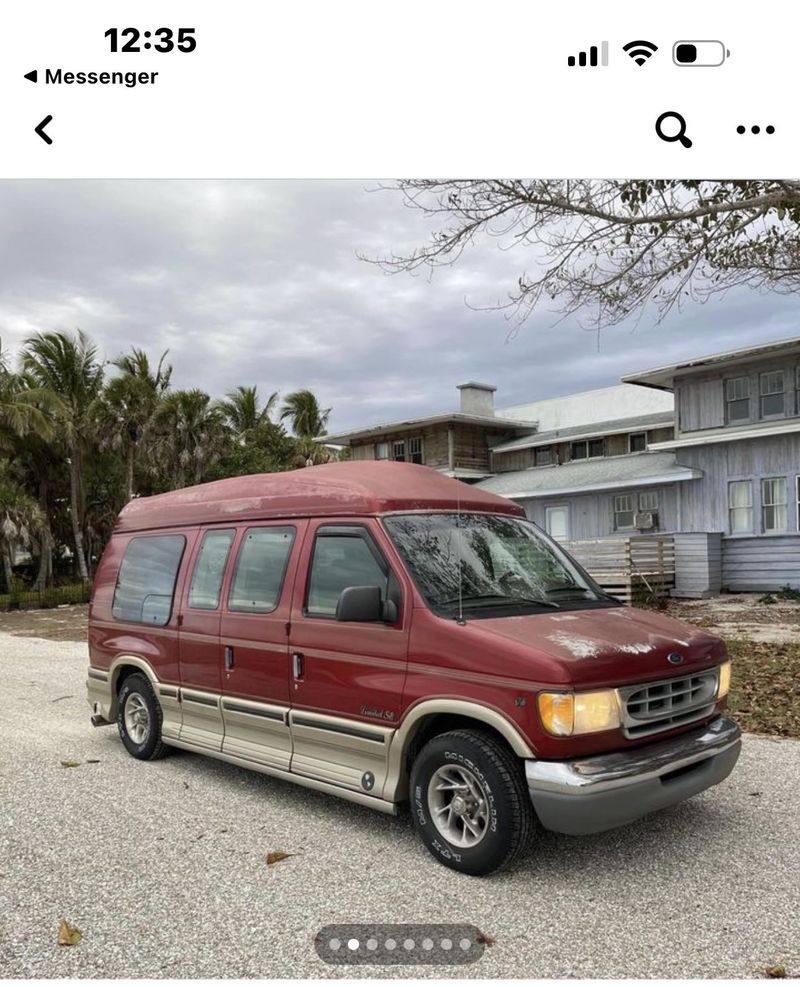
<point x="146" y="580"/>
<point x="209" y="570"/>
<point x="341" y="560"/>
<point x="260" y="568"/>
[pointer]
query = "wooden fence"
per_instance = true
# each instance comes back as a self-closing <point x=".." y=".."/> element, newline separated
<point x="640" y="565"/>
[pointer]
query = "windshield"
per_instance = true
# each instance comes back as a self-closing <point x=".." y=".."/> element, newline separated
<point x="502" y="561"/>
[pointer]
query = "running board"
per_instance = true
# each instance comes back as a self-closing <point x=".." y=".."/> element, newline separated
<point x="370" y="801"/>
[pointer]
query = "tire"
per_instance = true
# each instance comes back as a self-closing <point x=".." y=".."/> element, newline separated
<point x="139" y="718"/>
<point x="493" y="821"/>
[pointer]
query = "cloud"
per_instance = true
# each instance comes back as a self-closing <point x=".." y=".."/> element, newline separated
<point x="261" y="282"/>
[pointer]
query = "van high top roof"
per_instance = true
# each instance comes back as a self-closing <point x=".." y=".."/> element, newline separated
<point x="334" y="490"/>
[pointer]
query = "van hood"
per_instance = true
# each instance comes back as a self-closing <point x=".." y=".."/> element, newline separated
<point x="610" y="646"/>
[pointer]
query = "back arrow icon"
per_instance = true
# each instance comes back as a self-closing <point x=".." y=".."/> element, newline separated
<point x="40" y="130"/>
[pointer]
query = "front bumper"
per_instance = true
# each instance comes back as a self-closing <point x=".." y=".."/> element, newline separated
<point x="592" y="794"/>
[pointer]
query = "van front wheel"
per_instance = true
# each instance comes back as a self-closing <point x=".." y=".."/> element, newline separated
<point x="139" y="718"/>
<point x="469" y="801"/>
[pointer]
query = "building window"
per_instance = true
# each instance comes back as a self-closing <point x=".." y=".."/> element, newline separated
<point x="543" y="456"/>
<point x="399" y="451"/>
<point x="771" y="388"/>
<point x="797" y="391"/>
<point x="597" y="447"/>
<point x="740" y="506"/>
<point x="415" y="450"/>
<point x="579" y="450"/>
<point x="381" y="450"/>
<point x="773" y="504"/>
<point x="623" y="512"/>
<point x="737" y="399"/>
<point x="637" y="442"/>
<point x="648" y="501"/>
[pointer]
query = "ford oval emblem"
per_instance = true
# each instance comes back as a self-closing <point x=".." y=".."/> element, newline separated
<point x="676" y="658"/>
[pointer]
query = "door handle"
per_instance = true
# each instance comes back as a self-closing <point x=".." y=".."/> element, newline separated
<point x="228" y="657"/>
<point x="297" y="665"/>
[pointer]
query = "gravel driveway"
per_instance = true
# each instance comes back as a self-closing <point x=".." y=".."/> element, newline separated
<point x="162" y="865"/>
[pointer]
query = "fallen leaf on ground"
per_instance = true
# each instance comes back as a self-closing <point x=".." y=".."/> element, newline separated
<point x="68" y="935"/>
<point x="186" y="784"/>
<point x="776" y="972"/>
<point x="70" y="764"/>
<point x="275" y="857"/>
<point x="486" y="939"/>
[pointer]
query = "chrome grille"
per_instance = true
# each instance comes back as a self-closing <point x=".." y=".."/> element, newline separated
<point x="669" y="703"/>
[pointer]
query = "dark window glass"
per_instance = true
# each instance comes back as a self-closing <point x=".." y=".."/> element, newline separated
<point x="737" y="398"/>
<point x="415" y="450"/>
<point x="260" y="568"/>
<point x="578" y="450"/>
<point x="399" y="451"/>
<point x="597" y="447"/>
<point x="209" y="570"/>
<point x="771" y="386"/>
<point x="146" y="580"/>
<point x="638" y="442"/>
<point x="543" y="456"/>
<point x="341" y="561"/>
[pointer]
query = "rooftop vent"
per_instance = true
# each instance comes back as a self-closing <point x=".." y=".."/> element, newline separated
<point x="477" y="399"/>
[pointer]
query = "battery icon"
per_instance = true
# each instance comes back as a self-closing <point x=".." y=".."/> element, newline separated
<point x="699" y="54"/>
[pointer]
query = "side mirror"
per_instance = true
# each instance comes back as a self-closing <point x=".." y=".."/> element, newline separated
<point x="364" y="605"/>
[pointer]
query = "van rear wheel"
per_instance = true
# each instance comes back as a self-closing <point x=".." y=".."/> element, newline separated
<point x="139" y="718"/>
<point x="469" y="801"/>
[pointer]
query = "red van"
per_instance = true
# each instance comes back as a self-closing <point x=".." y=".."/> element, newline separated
<point x="384" y="633"/>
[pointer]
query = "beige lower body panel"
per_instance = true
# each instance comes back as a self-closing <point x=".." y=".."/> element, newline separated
<point x="339" y="751"/>
<point x="201" y="722"/>
<point x="257" y="731"/>
<point x="170" y="712"/>
<point x="358" y="797"/>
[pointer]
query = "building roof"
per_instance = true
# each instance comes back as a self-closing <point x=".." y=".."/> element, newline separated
<point x="589" y="475"/>
<point x="334" y="490"/>
<point x="728" y="433"/>
<point x="664" y="377"/>
<point x="448" y="417"/>
<point x="588" y="407"/>
<point x="616" y="426"/>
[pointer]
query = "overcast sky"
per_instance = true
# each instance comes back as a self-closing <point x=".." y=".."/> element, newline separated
<point x="261" y="283"/>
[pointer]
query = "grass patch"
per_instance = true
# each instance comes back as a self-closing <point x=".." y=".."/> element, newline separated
<point x="52" y="596"/>
<point x="765" y="687"/>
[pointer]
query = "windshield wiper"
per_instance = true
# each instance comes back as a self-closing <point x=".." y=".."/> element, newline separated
<point x="500" y="599"/>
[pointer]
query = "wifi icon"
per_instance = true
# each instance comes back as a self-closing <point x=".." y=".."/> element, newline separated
<point x="640" y="51"/>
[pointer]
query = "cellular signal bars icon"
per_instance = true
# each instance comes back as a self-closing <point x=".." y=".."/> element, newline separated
<point x="591" y="60"/>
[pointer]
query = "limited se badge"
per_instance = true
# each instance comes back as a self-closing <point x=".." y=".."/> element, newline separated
<point x="676" y="658"/>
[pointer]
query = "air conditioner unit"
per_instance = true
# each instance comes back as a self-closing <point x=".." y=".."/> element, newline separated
<point x="645" y="520"/>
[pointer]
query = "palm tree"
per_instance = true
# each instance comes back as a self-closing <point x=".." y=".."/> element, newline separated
<point x="191" y="435"/>
<point x="303" y="410"/>
<point x="20" y="517"/>
<point x="23" y="408"/>
<point x="242" y="412"/>
<point x="129" y="403"/>
<point x="65" y="367"/>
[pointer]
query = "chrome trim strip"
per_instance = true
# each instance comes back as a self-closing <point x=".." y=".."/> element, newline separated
<point x="168" y="690"/>
<point x="268" y="714"/>
<point x="98" y="673"/>
<point x="609" y="771"/>
<point x="301" y="721"/>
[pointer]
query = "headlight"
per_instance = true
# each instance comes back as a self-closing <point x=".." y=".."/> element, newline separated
<point x="724" y="680"/>
<point x="565" y="713"/>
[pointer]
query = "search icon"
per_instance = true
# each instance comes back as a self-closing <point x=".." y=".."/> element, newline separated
<point x="679" y="135"/>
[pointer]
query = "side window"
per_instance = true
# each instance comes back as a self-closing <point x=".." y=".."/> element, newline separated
<point x="341" y="559"/>
<point x="737" y="400"/>
<point x="209" y="570"/>
<point x="146" y="581"/>
<point x="260" y="568"/>
<point x="623" y="512"/>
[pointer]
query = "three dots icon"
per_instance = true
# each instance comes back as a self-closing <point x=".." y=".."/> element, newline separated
<point x="755" y="129"/>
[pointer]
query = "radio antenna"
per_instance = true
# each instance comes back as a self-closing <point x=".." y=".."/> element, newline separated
<point x="460" y="560"/>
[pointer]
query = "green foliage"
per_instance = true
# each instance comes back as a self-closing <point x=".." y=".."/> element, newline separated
<point x="80" y="437"/>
